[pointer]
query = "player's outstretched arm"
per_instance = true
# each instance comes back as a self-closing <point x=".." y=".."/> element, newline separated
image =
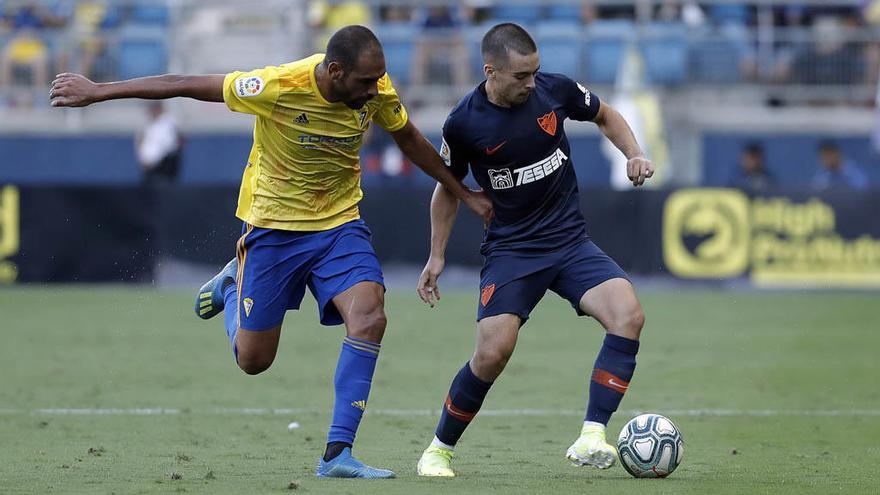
<point x="420" y="151"/>
<point x="75" y="90"/>
<point x="444" y="207"/>
<point x="615" y="128"/>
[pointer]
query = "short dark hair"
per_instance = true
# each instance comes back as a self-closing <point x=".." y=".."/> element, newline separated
<point x="828" y="145"/>
<point x="754" y="148"/>
<point x="504" y="37"/>
<point x="349" y="43"/>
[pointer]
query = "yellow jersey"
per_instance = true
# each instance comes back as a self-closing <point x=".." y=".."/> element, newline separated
<point x="303" y="171"/>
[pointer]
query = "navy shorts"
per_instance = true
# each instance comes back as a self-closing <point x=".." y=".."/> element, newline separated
<point x="276" y="266"/>
<point x="515" y="282"/>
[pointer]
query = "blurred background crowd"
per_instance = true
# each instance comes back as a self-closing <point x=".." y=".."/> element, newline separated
<point x="757" y="93"/>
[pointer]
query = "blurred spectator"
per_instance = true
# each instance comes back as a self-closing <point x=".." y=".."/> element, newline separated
<point x="751" y="173"/>
<point x="686" y="11"/>
<point x="326" y="17"/>
<point x="158" y="147"/>
<point x="25" y="59"/>
<point x="837" y="171"/>
<point x="441" y="43"/>
<point x="87" y="19"/>
<point x="831" y="58"/>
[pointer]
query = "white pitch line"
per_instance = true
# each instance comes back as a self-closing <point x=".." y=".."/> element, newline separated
<point x="170" y="411"/>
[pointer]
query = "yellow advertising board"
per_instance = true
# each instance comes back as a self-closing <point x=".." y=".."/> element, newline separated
<point x="9" y="232"/>
<point x="775" y="241"/>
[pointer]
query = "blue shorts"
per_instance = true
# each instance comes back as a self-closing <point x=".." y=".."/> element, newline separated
<point x="275" y="266"/>
<point x="515" y="282"/>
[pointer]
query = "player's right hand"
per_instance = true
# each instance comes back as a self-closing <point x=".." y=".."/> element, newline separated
<point x="479" y="202"/>
<point x="72" y="90"/>
<point x="427" y="288"/>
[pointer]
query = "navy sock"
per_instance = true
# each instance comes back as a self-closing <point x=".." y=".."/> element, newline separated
<point x="464" y="400"/>
<point x="230" y="315"/>
<point x="611" y="375"/>
<point x="354" y="375"/>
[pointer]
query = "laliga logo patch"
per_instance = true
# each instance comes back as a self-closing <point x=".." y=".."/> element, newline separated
<point x="445" y="153"/>
<point x="249" y="86"/>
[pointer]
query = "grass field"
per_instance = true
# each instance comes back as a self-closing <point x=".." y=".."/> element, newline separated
<point x="123" y="390"/>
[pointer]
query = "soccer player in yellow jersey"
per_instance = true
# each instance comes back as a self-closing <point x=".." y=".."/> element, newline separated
<point x="298" y="201"/>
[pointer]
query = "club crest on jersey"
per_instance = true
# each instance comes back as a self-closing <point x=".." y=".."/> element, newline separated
<point x="547" y="123"/>
<point x="249" y="86"/>
<point x="248" y="304"/>
<point x="486" y="294"/>
<point x="501" y="179"/>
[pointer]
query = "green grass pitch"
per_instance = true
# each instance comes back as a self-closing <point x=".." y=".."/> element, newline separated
<point x="773" y="392"/>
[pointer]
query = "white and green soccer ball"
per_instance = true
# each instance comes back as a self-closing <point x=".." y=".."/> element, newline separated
<point x="650" y="446"/>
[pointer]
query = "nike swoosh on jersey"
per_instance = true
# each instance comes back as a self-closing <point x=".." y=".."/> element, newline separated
<point x="491" y="151"/>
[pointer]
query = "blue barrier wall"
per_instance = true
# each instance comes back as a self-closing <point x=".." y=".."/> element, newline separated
<point x="791" y="159"/>
<point x="208" y="159"/>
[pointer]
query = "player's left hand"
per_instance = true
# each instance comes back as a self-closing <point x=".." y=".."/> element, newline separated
<point x="638" y="169"/>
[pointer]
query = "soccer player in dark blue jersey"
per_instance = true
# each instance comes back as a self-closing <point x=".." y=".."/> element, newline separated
<point x="509" y="130"/>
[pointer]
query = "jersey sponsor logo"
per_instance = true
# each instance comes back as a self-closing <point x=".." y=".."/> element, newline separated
<point x="249" y="86"/>
<point x="302" y="119"/>
<point x="491" y="151"/>
<point x="586" y="94"/>
<point x="248" y="304"/>
<point x="445" y="154"/>
<point x="328" y="141"/>
<point x="547" y="123"/>
<point x="486" y="294"/>
<point x="503" y="178"/>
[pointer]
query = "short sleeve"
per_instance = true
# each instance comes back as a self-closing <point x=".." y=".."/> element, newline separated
<point x="580" y="103"/>
<point x="391" y="115"/>
<point x="254" y="92"/>
<point x="453" y="151"/>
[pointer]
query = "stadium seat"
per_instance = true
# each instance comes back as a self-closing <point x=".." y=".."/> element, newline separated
<point x="149" y="14"/>
<point x="560" y="47"/>
<point x="518" y="13"/>
<point x="724" y="14"/>
<point x="398" y="41"/>
<point x="605" y="44"/>
<point x="665" y="51"/>
<point x="567" y="12"/>
<point x="715" y="55"/>
<point x="141" y="52"/>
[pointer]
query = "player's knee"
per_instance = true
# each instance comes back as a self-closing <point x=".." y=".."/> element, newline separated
<point x="630" y="321"/>
<point x="254" y="364"/>
<point x="491" y="362"/>
<point x="369" y="326"/>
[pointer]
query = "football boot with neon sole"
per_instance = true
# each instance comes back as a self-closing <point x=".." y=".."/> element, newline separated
<point x="591" y="449"/>
<point x="436" y="461"/>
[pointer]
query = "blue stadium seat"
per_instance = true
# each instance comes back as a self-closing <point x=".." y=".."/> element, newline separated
<point x="568" y="12"/>
<point x="150" y="14"/>
<point x="398" y="41"/>
<point x="723" y="14"/>
<point x="715" y="55"/>
<point x="560" y="47"/>
<point x="665" y="52"/>
<point x="605" y="44"/>
<point x="141" y="52"/>
<point x="519" y="13"/>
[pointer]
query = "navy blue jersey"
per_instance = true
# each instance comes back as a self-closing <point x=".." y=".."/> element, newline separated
<point x="521" y="157"/>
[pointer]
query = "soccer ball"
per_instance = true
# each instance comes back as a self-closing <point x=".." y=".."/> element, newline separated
<point x="650" y="446"/>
